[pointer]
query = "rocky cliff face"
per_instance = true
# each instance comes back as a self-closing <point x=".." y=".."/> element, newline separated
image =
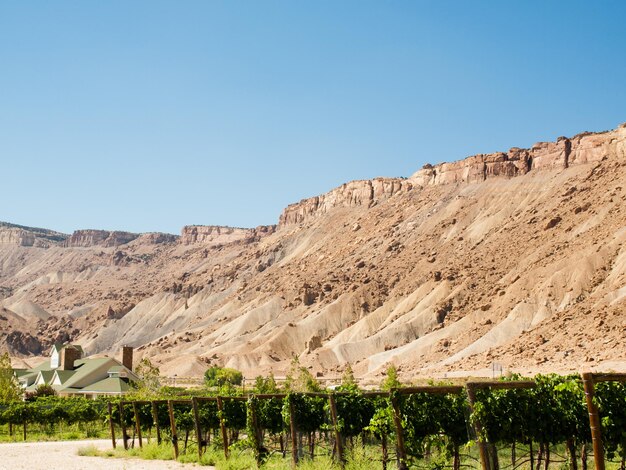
<point x="19" y="235"/>
<point x="16" y="236"/>
<point x="156" y="238"/>
<point x="582" y="148"/>
<point x="217" y="235"/>
<point x="355" y="193"/>
<point x="87" y="238"/>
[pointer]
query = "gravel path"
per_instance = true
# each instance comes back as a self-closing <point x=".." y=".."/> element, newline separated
<point x="64" y="456"/>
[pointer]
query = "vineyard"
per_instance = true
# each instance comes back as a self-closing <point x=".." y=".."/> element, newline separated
<point x="538" y="424"/>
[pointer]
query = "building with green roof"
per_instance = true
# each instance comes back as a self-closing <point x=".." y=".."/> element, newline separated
<point x="71" y="374"/>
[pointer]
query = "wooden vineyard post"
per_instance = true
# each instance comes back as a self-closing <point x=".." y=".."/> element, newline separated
<point x="220" y="409"/>
<point x="170" y="409"/>
<point x="196" y="422"/>
<point x="137" y="423"/>
<point x="155" y="418"/>
<point x="594" y="420"/>
<point x="111" y="425"/>
<point x="294" y="437"/>
<point x="123" y="426"/>
<point x="333" y="413"/>
<point x="397" y="420"/>
<point x="482" y="449"/>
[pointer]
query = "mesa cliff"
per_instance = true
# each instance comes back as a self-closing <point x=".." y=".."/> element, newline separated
<point x="583" y="148"/>
<point x="20" y="235"/>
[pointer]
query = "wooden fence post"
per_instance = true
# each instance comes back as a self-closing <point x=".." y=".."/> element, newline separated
<point x="594" y="420"/>
<point x="196" y="422"/>
<point x="338" y="439"/>
<point x="137" y="424"/>
<point x="111" y="425"/>
<point x="155" y="418"/>
<point x="123" y="426"/>
<point x="397" y="419"/>
<point x="478" y="428"/>
<point x="220" y="409"/>
<point x="170" y="409"/>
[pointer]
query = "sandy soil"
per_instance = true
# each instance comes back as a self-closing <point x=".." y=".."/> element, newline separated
<point x="64" y="455"/>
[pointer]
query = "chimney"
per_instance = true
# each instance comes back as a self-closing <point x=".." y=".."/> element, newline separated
<point x="127" y="357"/>
<point x="69" y="355"/>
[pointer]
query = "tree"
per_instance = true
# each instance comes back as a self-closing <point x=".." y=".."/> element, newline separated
<point x="299" y="379"/>
<point x="391" y="381"/>
<point x="149" y="378"/>
<point x="347" y="379"/>
<point x="265" y="384"/>
<point x="219" y="376"/>
<point x="10" y="389"/>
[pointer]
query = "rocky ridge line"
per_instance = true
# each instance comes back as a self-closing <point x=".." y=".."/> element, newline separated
<point x="583" y="148"/>
<point x="87" y="238"/>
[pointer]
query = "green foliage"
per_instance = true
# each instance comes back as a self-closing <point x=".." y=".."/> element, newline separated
<point x="269" y="411"/>
<point x="354" y="410"/>
<point x="429" y="419"/>
<point x="611" y="400"/>
<point x="309" y="411"/>
<point x="208" y="414"/>
<point x="381" y="423"/>
<point x="149" y="382"/>
<point x="265" y="385"/>
<point x="10" y="389"/>
<point x="219" y="376"/>
<point x="391" y="380"/>
<point x="347" y="379"/>
<point x="299" y="379"/>
<point x="43" y="390"/>
<point x="52" y="410"/>
<point x="235" y="414"/>
<point x="552" y="412"/>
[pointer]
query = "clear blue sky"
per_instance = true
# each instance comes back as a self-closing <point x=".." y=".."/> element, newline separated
<point x="146" y="116"/>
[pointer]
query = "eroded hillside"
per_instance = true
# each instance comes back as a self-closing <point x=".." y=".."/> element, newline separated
<point x="516" y="257"/>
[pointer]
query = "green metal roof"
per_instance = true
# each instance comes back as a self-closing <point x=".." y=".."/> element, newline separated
<point x="47" y="375"/>
<point x="21" y="372"/>
<point x="108" y="385"/>
<point x="64" y="375"/>
<point x="88" y="370"/>
<point x="43" y="366"/>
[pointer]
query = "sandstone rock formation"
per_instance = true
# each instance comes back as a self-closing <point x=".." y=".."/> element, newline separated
<point x="19" y="235"/>
<point x="16" y="236"/>
<point x="214" y="234"/>
<point x="582" y="148"/>
<point x="88" y="238"/>
<point x="355" y="193"/>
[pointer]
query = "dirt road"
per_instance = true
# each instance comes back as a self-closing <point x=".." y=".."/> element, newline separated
<point x="64" y="455"/>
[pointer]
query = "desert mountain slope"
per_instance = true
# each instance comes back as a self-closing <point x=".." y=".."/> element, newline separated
<point x="516" y="257"/>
